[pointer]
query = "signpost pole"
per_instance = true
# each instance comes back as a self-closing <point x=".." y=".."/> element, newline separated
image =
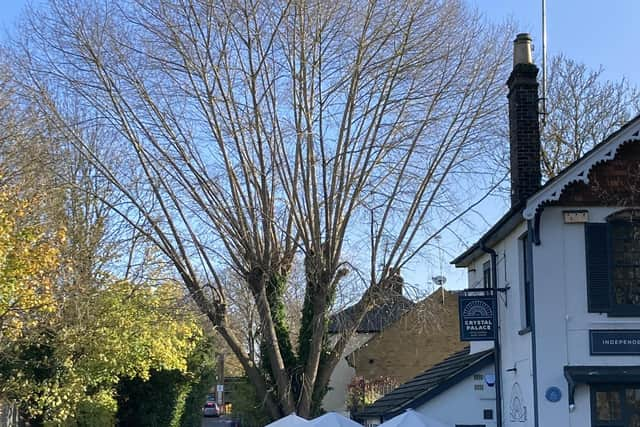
<point x="220" y="386"/>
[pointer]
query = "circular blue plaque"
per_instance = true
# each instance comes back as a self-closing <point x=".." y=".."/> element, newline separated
<point x="553" y="394"/>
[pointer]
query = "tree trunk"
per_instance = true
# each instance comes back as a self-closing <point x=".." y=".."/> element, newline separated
<point x="217" y="316"/>
<point x="315" y="352"/>
<point x="269" y="335"/>
<point x="325" y="371"/>
<point x="253" y="374"/>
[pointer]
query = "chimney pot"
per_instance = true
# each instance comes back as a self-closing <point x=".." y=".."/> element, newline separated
<point x="522" y="49"/>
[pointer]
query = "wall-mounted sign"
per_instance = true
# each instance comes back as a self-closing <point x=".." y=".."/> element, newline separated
<point x="477" y="317"/>
<point x="553" y="394"/>
<point x="576" y="217"/>
<point x="614" y="342"/>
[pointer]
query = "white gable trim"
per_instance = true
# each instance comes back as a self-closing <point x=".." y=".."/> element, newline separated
<point x="580" y="170"/>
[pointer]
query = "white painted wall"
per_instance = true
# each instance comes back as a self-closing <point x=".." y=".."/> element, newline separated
<point x="561" y="317"/>
<point x="343" y="374"/>
<point x="517" y="368"/>
<point x="461" y="404"/>
<point x="562" y="320"/>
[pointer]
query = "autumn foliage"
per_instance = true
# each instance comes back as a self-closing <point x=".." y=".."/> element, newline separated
<point x="29" y="257"/>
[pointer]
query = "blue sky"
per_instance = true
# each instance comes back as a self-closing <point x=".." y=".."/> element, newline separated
<point x="596" y="32"/>
<point x="9" y="10"/>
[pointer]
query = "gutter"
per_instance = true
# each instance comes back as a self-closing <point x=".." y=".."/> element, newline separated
<point x="496" y="342"/>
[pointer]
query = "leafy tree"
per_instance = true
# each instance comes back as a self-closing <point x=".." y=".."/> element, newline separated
<point x="202" y="369"/>
<point x="130" y="332"/>
<point x="151" y="402"/>
<point x="69" y="329"/>
<point x="28" y="256"/>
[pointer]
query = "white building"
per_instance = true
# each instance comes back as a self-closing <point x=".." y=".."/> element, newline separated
<point x="459" y="392"/>
<point x="566" y="262"/>
<point x="564" y="265"/>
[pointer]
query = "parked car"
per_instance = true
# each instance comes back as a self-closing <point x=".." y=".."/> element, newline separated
<point x="211" y="409"/>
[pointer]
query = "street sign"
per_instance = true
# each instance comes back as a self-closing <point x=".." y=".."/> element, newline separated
<point x="477" y="317"/>
<point x="219" y="393"/>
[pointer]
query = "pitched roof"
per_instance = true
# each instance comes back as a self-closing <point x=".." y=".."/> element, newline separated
<point x="428" y="384"/>
<point x="579" y="169"/>
<point x="552" y="189"/>
<point x="376" y="319"/>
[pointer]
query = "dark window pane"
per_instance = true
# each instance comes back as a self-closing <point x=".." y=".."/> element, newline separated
<point x="632" y="403"/>
<point x="608" y="406"/>
<point x="486" y="274"/>
<point x="626" y="263"/>
<point x="599" y="275"/>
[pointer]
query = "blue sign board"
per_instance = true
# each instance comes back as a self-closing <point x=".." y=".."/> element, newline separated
<point x="477" y="317"/>
<point x="614" y="342"/>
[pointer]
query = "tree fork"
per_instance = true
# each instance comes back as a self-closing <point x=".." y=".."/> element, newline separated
<point x="217" y="315"/>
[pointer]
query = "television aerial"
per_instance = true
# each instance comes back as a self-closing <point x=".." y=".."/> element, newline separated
<point x="439" y="280"/>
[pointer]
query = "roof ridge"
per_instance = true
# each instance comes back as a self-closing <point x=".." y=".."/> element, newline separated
<point x="377" y="318"/>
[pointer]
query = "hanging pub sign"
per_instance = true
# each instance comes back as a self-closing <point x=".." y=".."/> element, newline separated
<point x="477" y="317"/>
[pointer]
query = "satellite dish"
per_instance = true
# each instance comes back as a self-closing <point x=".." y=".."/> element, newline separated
<point x="439" y="280"/>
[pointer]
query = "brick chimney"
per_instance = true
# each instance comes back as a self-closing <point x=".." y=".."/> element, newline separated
<point x="524" y="130"/>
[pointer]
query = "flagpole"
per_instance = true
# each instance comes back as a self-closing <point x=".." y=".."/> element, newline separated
<point x="544" y="62"/>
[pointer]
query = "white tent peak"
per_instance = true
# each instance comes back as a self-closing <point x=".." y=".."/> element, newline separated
<point x="291" y="420"/>
<point x="333" y="419"/>
<point x="411" y="418"/>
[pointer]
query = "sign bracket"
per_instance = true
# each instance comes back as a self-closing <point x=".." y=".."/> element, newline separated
<point x="489" y="290"/>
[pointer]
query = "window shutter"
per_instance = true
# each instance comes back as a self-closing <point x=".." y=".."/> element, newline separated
<point x="597" y="248"/>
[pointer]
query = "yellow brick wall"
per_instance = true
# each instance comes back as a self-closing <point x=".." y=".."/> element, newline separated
<point x="421" y="338"/>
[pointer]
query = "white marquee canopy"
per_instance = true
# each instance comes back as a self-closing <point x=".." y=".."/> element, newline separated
<point x="411" y="418"/>
<point x="332" y="419"/>
<point x="291" y="420"/>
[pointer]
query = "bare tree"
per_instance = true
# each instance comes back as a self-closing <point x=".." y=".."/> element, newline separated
<point x="583" y="109"/>
<point x="259" y="130"/>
